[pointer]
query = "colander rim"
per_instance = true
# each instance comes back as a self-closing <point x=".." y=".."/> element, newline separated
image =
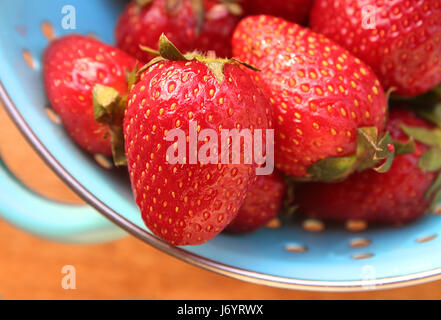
<point x="194" y="259"/>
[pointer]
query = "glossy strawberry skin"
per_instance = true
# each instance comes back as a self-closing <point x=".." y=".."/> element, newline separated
<point x="143" y="26"/>
<point x="394" y="197"/>
<point x="404" y="49"/>
<point x="262" y="204"/>
<point x="72" y="65"/>
<point x="320" y="93"/>
<point x="188" y="204"/>
<point x="293" y="10"/>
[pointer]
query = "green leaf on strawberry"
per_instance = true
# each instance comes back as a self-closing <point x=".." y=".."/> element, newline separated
<point x="431" y="159"/>
<point x="372" y="152"/>
<point x="435" y="192"/>
<point x="398" y="196"/>
<point x="105" y="102"/>
<point x="109" y="108"/>
<point x="117" y="143"/>
<point x="332" y="169"/>
<point x="404" y="147"/>
<point x="423" y="135"/>
<point x="168" y="50"/>
<point x="132" y="77"/>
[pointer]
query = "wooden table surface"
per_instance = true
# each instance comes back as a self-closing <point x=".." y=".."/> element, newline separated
<point x="31" y="268"/>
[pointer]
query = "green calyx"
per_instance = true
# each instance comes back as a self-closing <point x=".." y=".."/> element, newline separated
<point x="372" y="152"/>
<point x="434" y="192"/>
<point x="106" y="101"/>
<point x="430" y="160"/>
<point x="132" y="77"/>
<point x="428" y="107"/>
<point x="168" y="51"/>
<point x="109" y="107"/>
<point x="402" y="148"/>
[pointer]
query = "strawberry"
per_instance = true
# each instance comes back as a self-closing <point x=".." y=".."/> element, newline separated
<point x="400" y="40"/>
<point x="400" y="195"/>
<point x="72" y="66"/>
<point x="262" y="204"/>
<point x="188" y="203"/>
<point x="202" y="24"/>
<point x="293" y="10"/>
<point x="326" y="102"/>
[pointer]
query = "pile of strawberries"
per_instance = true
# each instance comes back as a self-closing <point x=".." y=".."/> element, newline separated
<point x="352" y="97"/>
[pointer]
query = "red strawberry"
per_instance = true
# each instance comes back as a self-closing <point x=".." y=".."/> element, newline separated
<point x="397" y="196"/>
<point x="321" y="95"/>
<point x="292" y="10"/>
<point x="188" y="204"/>
<point x="400" y="40"/>
<point x="72" y="65"/>
<point x="183" y="22"/>
<point x="262" y="203"/>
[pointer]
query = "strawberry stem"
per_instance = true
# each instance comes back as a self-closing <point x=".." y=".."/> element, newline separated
<point x="168" y="51"/>
<point x="372" y="152"/>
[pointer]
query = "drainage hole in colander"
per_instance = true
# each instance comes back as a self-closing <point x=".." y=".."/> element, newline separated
<point x="359" y="242"/>
<point x="356" y="225"/>
<point x="47" y="30"/>
<point x="297" y="248"/>
<point x="426" y="238"/>
<point x="361" y="256"/>
<point x="274" y="223"/>
<point x="103" y="161"/>
<point x="313" y="225"/>
<point x="27" y="56"/>
<point x="93" y="36"/>
<point x="52" y="115"/>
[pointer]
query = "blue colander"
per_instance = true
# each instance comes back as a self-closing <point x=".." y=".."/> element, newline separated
<point x="289" y="256"/>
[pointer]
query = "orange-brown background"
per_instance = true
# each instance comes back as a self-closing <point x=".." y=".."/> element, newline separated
<point x="30" y="268"/>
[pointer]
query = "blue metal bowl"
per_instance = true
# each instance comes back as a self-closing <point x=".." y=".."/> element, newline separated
<point x="289" y="256"/>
